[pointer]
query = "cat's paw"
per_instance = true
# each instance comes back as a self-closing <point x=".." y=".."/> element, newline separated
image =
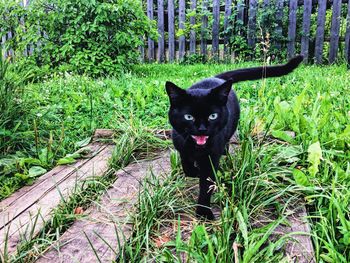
<point x="205" y="213"/>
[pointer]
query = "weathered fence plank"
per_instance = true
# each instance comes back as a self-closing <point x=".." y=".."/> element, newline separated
<point x="141" y="50"/>
<point x="216" y="24"/>
<point x="171" y="30"/>
<point x="182" y="39"/>
<point x="347" y="35"/>
<point x="279" y="17"/>
<point x="228" y="13"/>
<point x="150" y="41"/>
<point x="3" y="49"/>
<point x="160" y="31"/>
<point x="265" y="43"/>
<point x="245" y="23"/>
<point x="335" y="27"/>
<point x="321" y="19"/>
<point x="204" y="28"/>
<point x="253" y="4"/>
<point x="10" y="51"/>
<point x="193" y="32"/>
<point x="305" y="38"/>
<point x="293" y="5"/>
<point x="240" y="14"/>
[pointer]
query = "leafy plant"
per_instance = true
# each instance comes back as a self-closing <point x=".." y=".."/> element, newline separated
<point x="99" y="37"/>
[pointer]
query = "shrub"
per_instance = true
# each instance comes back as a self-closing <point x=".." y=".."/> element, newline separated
<point x="97" y="37"/>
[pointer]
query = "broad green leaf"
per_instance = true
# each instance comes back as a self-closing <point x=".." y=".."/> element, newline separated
<point x="75" y="155"/>
<point x="345" y="239"/>
<point x="43" y="155"/>
<point x="66" y="160"/>
<point x="83" y="142"/>
<point x="314" y="157"/>
<point x="36" y="171"/>
<point x="81" y="153"/>
<point x="243" y="227"/>
<point x="31" y="161"/>
<point x="284" y="106"/>
<point x="298" y="104"/>
<point x="289" y="154"/>
<point x="327" y="258"/>
<point x="21" y="176"/>
<point x="282" y="135"/>
<point x="300" y="178"/>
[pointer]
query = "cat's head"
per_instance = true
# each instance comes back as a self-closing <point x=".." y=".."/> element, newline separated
<point x="199" y="113"/>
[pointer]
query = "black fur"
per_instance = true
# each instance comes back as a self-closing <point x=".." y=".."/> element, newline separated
<point x="202" y="140"/>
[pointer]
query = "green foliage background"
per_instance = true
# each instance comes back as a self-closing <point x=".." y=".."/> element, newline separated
<point x="96" y="37"/>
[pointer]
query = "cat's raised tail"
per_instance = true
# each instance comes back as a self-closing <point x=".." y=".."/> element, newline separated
<point x="261" y="72"/>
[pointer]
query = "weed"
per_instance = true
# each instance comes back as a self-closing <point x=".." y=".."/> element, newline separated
<point x="306" y="111"/>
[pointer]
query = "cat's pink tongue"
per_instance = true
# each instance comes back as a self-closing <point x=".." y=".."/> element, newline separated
<point x="200" y="140"/>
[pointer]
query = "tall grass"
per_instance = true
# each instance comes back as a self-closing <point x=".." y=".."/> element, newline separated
<point x="135" y="143"/>
<point x="261" y="177"/>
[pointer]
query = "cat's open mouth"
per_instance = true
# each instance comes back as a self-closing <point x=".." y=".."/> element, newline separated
<point x="200" y="139"/>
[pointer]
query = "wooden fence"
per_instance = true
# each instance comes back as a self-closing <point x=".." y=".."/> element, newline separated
<point x="293" y="19"/>
<point x="205" y="28"/>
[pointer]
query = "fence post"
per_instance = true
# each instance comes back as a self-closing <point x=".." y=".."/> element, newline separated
<point x="182" y="40"/>
<point x="347" y="36"/>
<point x="171" y="32"/>
<point x="193" y="32"/>
<point x="228" y="12"/>
<point x="306" y="29"/>
<point x="279" y="17"/>
<point x="321" y="18"/>
<point x="142" y="51"/>
<point x="252" y="23"/>
<point x="11" y="51"/>
<point x="3" y="48"/>
<point x="240" y="14"/>
<point x="335" y="27"/>
<point x="161" y="31"/>
<point x="293" y="5"/>
<point x="204" y="29"/>
<point x="216" y="24"/>
<point x="150" y="41"/>
<point x="21" y="21"/>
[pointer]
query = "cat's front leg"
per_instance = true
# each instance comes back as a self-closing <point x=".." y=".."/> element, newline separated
<point x="207" y="166"/>
<point x="188" y="166"/>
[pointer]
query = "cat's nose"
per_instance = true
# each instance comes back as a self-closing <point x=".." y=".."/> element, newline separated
<point x="202" y="128"/>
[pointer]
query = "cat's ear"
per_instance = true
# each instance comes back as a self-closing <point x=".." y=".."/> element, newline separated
<point x="174" y="92"/>
<point x="221" y="92"/>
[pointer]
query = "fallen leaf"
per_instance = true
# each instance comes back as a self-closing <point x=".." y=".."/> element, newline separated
<point x="258" y="127"/>
<point x="78" y="210"/>
<point x="161" y="240"/>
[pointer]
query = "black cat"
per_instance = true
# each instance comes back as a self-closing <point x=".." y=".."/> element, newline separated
<point x="204" y="118"/>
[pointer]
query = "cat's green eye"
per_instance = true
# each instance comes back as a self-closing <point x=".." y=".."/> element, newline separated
<point x="188" y="117"/>
<point x="213" y="116"/>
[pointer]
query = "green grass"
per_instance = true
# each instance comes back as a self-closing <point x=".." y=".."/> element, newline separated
<point x="313" y="166"/>
<point x="134" y="143"/>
